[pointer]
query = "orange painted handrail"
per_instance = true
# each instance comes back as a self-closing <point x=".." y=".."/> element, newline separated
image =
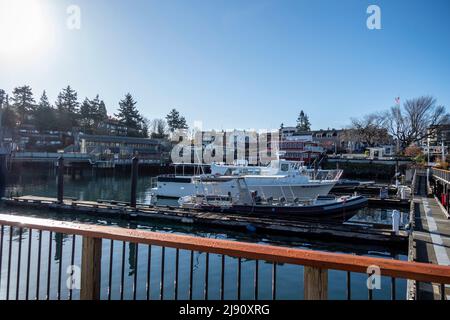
<point x="439" y="169"/>
<point x="324" y="260"/>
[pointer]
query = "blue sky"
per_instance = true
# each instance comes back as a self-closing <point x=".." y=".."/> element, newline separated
<point x="241" y="63"/>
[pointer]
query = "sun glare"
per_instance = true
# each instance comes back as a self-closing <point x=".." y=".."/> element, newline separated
<point x="22" y="27"/>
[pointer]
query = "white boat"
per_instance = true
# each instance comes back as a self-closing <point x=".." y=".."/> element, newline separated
<point x="280" y="179"/>
<point x="248" y="202"/>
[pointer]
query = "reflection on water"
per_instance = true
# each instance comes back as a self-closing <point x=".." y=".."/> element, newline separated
<point x="379" y="216"/>
<point x="92" y="187"/>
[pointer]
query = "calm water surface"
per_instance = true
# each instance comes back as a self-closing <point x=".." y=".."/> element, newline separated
<point x="93" y="187"/>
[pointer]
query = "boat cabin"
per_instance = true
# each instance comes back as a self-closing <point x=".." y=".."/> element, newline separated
<point x="275" y="167"/>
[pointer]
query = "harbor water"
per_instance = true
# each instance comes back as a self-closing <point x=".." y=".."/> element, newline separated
<point x="117" y="187"/>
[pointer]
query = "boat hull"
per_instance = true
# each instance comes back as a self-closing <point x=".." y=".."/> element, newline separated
<point x="181" y="187"/>
<point x="329" y="210"/>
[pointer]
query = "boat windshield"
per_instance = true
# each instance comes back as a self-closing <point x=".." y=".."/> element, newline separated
<point x="242" y="171"/>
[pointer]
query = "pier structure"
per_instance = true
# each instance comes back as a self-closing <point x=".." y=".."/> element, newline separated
<point x="427" y="271"/>
<point x="93" y="245"/>
<point x="79" y="161"/>
<point x="364" y="233"/>
<point x="431" y="236"/>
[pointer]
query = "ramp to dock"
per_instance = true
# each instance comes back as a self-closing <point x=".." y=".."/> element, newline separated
<point x="431" y="237"/>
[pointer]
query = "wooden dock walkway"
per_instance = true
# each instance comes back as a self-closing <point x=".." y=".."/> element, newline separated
<point x="431" y="237"/>
<point x="329" y="230"/>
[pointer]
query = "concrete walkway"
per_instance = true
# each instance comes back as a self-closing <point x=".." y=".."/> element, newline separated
<point x="432" y="238"/>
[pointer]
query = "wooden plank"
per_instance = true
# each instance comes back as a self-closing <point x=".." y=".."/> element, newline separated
<point x="91" y="268"/>
<point x="324" y="260"/>
<point x="315" y="281"/>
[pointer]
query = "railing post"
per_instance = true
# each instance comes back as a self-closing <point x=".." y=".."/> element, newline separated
<point x="60" y="179"/>
<point x="91" y="269"/>
<point x="134" y="177"/>
<point x="315" y="281"/>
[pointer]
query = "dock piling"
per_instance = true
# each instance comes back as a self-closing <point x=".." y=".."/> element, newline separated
<point x="134" y="176"/>
<point x="60" y="179"/>
<point x="2" y="175"/>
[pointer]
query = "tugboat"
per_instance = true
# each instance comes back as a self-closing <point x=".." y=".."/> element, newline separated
<point x="250" y="202"/>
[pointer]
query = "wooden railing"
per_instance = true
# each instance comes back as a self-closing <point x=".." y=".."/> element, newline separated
<point x="316" y="263"/>
<point x="411" y="284"/>
<point x="441" y="174"/>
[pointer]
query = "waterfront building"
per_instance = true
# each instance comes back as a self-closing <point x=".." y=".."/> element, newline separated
<point x="113" y="127"/>
<point x="28" y="138"/>
<point x="287" y="131"/>
<point x="121" y="147"/>
<point x="331" y="140"/>
<point x="381" y="152"/>
<point x="439" y="135"/>
<point x="300" y="148"/>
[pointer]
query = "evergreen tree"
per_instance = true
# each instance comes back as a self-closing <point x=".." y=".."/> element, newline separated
<point x="45" y="114"/>
<point x="67" y="104"/>
<point x="175" y="121"/>
<point x="2" y="98"/>
<point x="23" y="103"/>
<point x="2" y="101"/>
<point x="92" y="113"/>
<point x="102" y="113"/>
<point x="129" y="116"/>
<point x="8" y="118"/>
<point x="87" y="114"/>
<point x="303" y="123"/>
<point x="68" y="100"/>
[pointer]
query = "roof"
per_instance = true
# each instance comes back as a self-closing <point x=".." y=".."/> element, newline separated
<point x="118" y="139"/>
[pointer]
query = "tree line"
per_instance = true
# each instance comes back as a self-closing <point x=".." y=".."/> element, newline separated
<point x="407" y="124"/>
<point x="89" y="116"/>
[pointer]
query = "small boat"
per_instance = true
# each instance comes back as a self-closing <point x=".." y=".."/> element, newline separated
<point x="249" y="202"/>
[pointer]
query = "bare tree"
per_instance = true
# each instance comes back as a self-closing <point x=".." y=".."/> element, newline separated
<point x="370" y="130"/>
<point x="411" y="123"/>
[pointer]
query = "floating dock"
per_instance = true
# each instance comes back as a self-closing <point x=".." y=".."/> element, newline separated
<point x="354" y="232"/>
<point x="431" y="238"/>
